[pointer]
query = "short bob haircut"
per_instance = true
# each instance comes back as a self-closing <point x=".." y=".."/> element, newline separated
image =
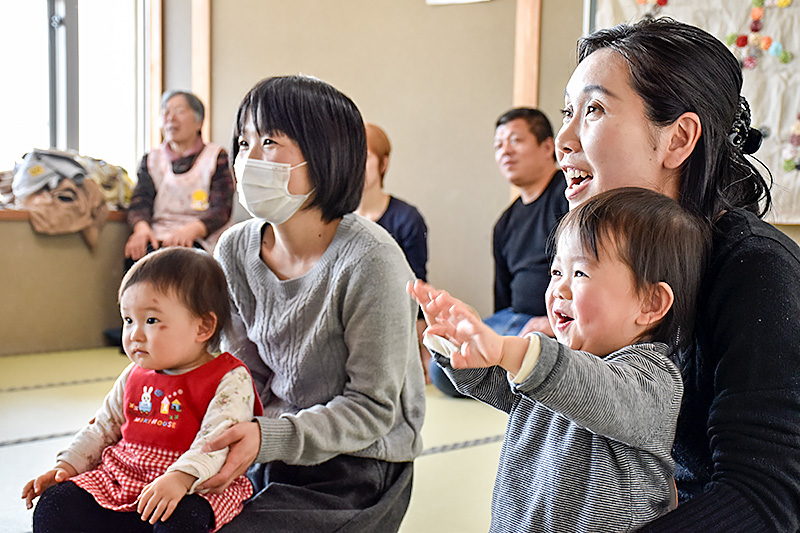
<point x="657" y="238"/>
<point x="192" y="275"/>
<point x="194" y="103"/>
<point x="327" y="127"/>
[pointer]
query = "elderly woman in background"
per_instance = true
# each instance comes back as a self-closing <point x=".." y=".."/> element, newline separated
<point x="401" y="219"/>
<point x="184" y="195"/>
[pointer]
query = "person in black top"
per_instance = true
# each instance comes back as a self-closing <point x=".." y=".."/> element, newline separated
<point x="524" y="149"/>
<point x="402" y="220"/>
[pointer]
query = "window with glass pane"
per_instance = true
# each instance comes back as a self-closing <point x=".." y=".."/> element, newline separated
<point x="107" y="93"/>
<point x="24" y="96"/>
<point x="107" y="123"/>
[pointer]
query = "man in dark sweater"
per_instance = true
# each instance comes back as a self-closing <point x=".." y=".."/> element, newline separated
<point x="524" y="149"/>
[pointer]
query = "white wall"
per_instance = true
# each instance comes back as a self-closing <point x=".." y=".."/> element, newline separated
<point x="435" y="78"/>
<point x="178" y="45"/>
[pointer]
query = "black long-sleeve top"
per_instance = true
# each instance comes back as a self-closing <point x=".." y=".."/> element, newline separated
<point x="405" y="223"/>
<point x="521" y="258"/>
<point x="737" y="445"/>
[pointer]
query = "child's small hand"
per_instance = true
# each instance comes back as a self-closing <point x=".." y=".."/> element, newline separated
<point x="479" y="345"/>
<point x="434" y="302"/>
<point x="159" y="498"/>
<point x="424" y="293"/>
<point x="35" y="487"/>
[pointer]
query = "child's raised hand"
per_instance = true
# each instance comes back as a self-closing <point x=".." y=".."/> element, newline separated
<point x="424" y="294"/>
<point x="161" y="497"/>
<point x="479" y="345"/>
<point x="35" y="487"/>
<point x="434" y="302"/>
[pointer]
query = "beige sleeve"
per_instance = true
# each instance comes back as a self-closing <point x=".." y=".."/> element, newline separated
<point x="84" y="452"/>
<point x="530" y="359"/>
<point x="232" y="403"/>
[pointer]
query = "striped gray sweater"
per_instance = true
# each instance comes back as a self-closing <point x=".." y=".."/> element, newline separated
<point x="588" y="441"/>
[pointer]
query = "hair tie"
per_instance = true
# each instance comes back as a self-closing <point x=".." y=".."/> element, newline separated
<point x="753" y="141"/>
<point x="740" y="129"/>
<point x="744" y="138"/>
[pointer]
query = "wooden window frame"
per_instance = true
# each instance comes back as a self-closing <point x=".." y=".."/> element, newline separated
<point x="526" y="53"/>
<point x="201" y="62"/>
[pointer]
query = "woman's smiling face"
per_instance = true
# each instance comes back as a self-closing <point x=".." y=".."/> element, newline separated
<point x="606" y="140"/>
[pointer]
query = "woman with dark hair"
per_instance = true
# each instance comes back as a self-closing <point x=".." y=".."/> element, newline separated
<point x="321" y="318"/>
<point x="657" y="104"/>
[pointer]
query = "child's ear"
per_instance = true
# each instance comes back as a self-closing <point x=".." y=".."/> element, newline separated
<point x="208" y="323"/>
<point x="655" y="304"/>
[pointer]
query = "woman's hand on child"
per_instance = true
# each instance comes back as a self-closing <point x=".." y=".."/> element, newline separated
<point x="537" y="323"/>
<point x="244" y="440"/>
<point x="35" y="487"/>
<point x="161" y="497"/>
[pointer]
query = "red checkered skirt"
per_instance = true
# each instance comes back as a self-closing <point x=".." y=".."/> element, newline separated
<point x="126" y="468"/>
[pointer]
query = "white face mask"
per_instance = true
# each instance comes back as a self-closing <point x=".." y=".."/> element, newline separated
<point x="263" y="188"/>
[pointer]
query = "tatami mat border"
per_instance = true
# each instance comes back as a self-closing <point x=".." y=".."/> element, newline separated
<point x="25" y="388"/>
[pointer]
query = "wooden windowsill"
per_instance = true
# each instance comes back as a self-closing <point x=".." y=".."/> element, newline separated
<point x="16" y="215"/>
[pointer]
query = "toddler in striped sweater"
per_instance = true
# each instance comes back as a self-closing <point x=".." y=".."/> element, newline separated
<point x="592" y="414"/>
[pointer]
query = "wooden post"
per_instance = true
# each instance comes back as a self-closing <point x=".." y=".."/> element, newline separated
<point x="201" y="58"/>
<point x="526" y="53"/>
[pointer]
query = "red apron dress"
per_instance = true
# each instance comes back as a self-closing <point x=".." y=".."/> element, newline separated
<point x="163" y="414"/>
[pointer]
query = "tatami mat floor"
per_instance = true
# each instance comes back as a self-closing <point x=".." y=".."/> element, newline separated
<point x="45" y="398"/>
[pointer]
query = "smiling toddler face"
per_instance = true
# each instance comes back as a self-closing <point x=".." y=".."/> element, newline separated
<point x="592" y="302"/>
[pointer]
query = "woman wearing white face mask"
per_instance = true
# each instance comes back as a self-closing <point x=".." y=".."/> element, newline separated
<point x="322" y="320"/>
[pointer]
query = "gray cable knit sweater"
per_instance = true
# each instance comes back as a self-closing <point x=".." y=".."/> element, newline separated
<point x="334" y="352"/>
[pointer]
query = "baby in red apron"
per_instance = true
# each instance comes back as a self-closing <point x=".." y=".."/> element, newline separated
<point x="140" y="459"/>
